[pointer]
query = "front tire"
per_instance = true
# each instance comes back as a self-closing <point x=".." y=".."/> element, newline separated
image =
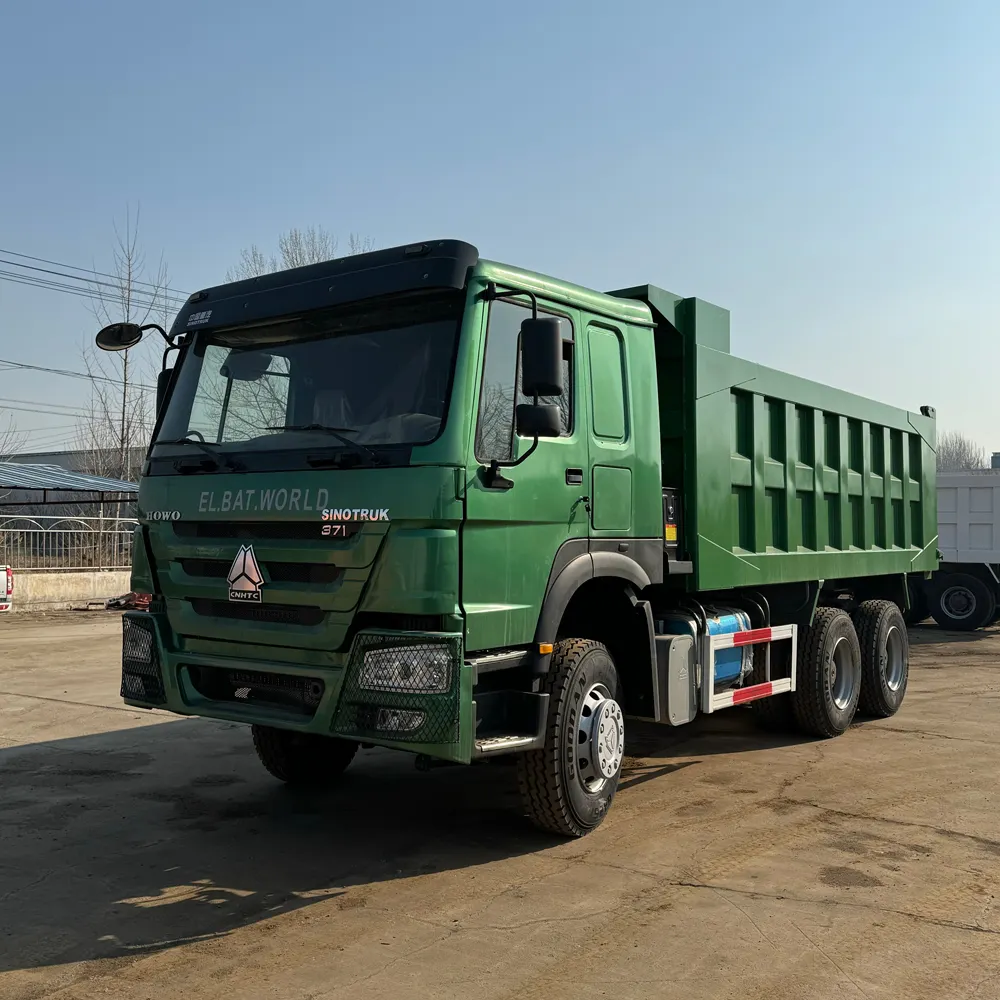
<point x="302" y="758"/>
<point x="962" y="602"/>
<point x="885" y="657"/>
<point x="828" y="678"/>
<point x="568" y="786"/>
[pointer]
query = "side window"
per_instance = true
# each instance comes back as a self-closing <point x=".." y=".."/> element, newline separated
<point x="501" y="390"/>
<point x="607" y="383"/>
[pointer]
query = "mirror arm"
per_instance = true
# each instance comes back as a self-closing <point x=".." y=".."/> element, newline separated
<point x="493" y="290"/>
<point x="492" y="476"/>
<point x="159" y="329"/>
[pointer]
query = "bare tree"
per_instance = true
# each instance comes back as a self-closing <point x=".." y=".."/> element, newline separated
<point x="11" y="442"/>
<point x="957" y="453"/>
<point x="296" y="248"/>
<point x="119" y="415"/>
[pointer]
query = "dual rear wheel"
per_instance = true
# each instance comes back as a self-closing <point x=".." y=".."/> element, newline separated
<point x="846" y="663"/>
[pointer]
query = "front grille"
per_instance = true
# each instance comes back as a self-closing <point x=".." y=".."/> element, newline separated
<point x="141" y="676"/>
<point x="367" y="713"/>
<point x="290" y="692"/>
<point x="260" y="530"/>
<point x="278" y="614"/>
<point x="279" y="572"/>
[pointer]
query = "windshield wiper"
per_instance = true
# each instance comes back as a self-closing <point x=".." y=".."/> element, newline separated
<point x="217" y="457"/>
<point x="337" y="432"/>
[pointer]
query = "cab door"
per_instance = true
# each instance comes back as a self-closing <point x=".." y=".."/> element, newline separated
<point x="612" y="446"/>
<point x="512" y="533"/>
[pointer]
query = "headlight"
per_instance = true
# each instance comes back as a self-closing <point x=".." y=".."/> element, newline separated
<point x="420" y="669"/>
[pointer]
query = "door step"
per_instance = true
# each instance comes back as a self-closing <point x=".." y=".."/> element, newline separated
<point x="493" y="745"/>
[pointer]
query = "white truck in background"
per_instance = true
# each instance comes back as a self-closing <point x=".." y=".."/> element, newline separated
<point x="964" y="592"/>
<point x="6" y="588"/>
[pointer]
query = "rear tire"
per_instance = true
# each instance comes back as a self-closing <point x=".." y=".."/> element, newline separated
<point x="885" y="657"/>
<point x="568" y="786"/>
<point x="302" y="758"/>
<point x="828" y="678"/>
<point x="962" y="602"/>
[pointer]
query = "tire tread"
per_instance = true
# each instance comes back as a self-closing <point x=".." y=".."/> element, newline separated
<point x="542" y="792"/>
<point x="868" y="619"/>
<point x="808" y="699"/>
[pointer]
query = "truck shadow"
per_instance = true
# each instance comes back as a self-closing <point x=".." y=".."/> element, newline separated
<point x="135" y="841"/>
<point x="131" y="842"/>
<point x="929" y="633"/>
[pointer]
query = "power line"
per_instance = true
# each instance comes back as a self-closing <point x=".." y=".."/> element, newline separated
<point x="6" y="407"/>
<point x="57" y="286"/>
<point x="70" y="374"/>
<point x="157" y="293"/>
<point x="31" y="402"/>
<point x="103" y="274"/>
<point x="89" y="286"/>
<point x="45" y="432"/>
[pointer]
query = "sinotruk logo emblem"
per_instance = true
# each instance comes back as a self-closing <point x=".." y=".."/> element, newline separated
<point x="245" y="578"/>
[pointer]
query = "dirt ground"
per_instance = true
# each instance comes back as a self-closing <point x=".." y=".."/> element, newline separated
<point x="146" y="856"/>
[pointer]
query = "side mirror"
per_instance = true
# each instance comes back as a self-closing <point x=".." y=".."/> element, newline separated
<point x="541" y="357"/>
<point x="541" y="420"/>
<point x="162" y="384"/>
<point x="119" y="336"/>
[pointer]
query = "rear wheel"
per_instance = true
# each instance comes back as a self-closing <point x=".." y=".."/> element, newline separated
<point x="302" y="758"/>
<point x="885" y="657"/>
<point x="961" y="601"/>
<point x="568" y="786"/>
<point x="828" y="678"/>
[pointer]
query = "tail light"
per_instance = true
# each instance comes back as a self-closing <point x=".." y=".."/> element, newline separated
<point x="10" y="581"/>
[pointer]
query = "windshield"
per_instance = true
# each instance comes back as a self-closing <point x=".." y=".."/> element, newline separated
<point x="348" y="381"/>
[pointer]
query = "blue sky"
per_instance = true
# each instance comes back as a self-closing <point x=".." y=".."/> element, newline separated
<point x="828" y="172"/>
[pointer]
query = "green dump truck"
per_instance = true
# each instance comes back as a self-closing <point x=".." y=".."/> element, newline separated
<point x="422" y="500"/>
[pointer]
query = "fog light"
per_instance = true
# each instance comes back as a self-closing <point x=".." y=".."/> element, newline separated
<point x="407" y="669"/>
<point x="396" y="720"/>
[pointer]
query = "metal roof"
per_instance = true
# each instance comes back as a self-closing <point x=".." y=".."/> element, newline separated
<point x="52" y="477"/>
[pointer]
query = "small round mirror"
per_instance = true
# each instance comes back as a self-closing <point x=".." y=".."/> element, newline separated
<point x="119" y="336"/>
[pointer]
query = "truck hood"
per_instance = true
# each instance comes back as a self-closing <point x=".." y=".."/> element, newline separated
<point x="288" y="560"/>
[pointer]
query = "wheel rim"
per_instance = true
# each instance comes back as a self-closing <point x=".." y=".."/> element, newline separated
<point x="959" y="603"/>
<point x="844" y="674"/>
<point x="895" y="659"/>
<point x="600" y="739"/>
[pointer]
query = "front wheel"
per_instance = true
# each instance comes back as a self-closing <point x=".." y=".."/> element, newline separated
<point x="302" y="758"/>
<point x="568" y="786"/>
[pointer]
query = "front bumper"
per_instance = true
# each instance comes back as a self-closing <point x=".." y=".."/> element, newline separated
<point x="333" y="699"/>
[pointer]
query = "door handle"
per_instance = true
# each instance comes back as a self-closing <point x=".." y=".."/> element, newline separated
<point x="574" y="477"/>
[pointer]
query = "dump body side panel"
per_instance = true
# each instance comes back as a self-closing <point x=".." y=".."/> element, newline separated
<point x="794" y="480"/>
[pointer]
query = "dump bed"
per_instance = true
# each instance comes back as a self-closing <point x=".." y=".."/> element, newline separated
<point x="784" y="479"/>
<point x="969" y="516"/>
